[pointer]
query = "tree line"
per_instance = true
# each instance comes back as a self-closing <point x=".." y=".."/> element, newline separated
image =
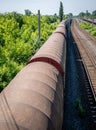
<point x="87" y="14"/>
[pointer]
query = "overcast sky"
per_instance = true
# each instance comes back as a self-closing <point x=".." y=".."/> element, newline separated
<point x="47" y="6"/>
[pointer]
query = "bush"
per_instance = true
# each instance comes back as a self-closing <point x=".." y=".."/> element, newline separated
<point x="19" y="41"/>
<point x="7" y="73"/>
<point x="89" y="28"/>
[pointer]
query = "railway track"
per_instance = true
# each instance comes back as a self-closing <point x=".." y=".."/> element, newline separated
<point x="90" y="21"/>
<point x="87" y="47"/>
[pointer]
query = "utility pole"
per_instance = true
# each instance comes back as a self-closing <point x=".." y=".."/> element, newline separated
<point x="92" y="21"/>
<point x="38" y="25"/>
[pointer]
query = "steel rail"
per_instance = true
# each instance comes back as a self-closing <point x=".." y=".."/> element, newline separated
<point x="87" y="54"/>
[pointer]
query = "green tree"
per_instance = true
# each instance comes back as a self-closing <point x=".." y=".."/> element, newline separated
<point x="82" y="14"/>
<point x="61" y="11"/>
<point x="28" y="12"/>
<point x="19" y="18"/>
<point x="94" y="13"/>
<point x="88" y="15"/>
<point x="70" y="14"/>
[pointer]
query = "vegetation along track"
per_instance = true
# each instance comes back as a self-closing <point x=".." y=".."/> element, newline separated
<point x="87" y="48"/>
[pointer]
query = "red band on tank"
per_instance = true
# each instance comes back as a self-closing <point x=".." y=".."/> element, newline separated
<point x="61" y="33"/>
<point x="50" y="61"/>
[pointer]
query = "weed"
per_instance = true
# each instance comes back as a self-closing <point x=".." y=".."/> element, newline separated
<point x="80" y="108"/>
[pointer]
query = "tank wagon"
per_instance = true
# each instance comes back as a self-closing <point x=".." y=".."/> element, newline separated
<point x="33" y="100"/>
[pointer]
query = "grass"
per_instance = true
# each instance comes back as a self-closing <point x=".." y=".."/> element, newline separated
<point x="80" y="108"/>
<point x="91" y="29"/>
